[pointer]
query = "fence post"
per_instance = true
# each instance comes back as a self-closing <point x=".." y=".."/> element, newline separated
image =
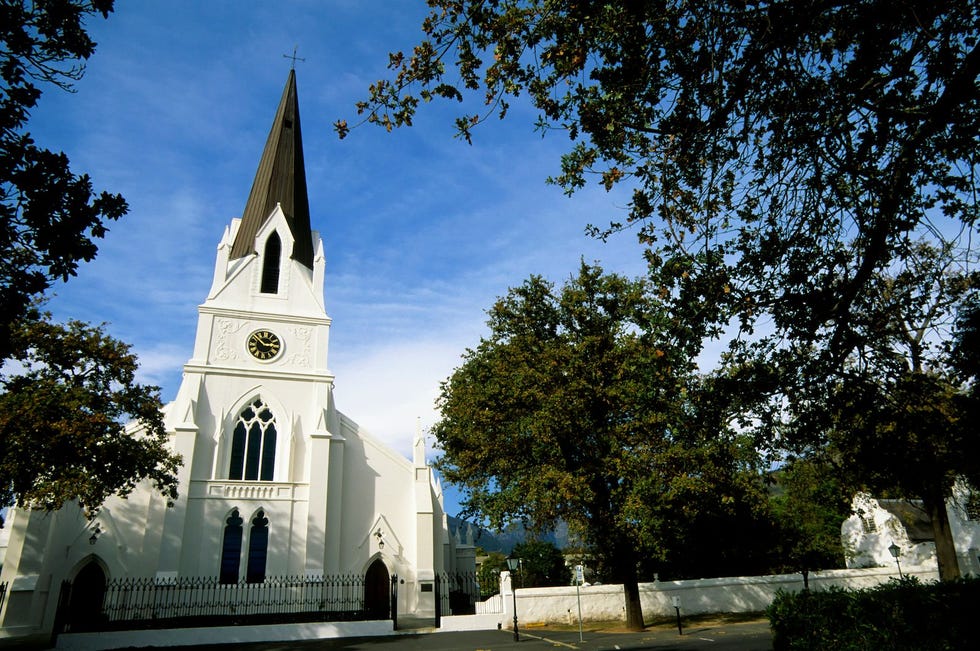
<point x="394" y="602"/>
<point x="438" y="597"/>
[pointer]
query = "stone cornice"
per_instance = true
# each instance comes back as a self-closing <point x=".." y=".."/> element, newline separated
<point x="247" y="315"/>
<point x="265" y="372"/>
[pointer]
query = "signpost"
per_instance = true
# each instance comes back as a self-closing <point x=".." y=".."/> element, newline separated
<point x="677" y="607"/>
<point x="579" y="580"/>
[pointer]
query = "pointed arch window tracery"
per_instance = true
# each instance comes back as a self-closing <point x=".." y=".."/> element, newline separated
<point x="253" y="444"/>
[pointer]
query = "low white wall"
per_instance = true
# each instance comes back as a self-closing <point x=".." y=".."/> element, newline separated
<point x="485" y="622"/>
<point x="534" y="605"/>
<point x="726" y="595"/>
<point x="221" y="635"/>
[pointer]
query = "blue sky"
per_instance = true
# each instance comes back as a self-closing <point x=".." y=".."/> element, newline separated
<point x="421" y="231"/>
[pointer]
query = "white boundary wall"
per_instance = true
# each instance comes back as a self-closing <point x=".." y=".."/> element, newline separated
<point x="534" y="605"/>
<point x="700" y="596"/>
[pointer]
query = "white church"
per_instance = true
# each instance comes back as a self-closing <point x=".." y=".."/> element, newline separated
<point x="275" y="481"/>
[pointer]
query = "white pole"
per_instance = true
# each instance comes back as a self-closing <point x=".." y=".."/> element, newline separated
<point x="579" y="576"/>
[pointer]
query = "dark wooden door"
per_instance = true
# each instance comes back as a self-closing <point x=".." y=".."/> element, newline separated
<point x="377" y="587"/>
<point x="87" y="595"/>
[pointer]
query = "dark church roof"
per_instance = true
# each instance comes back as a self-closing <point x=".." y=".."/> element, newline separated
<point x="281" y="178"/>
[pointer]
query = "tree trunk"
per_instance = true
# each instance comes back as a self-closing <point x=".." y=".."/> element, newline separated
<point x="634" y="612"/>
<point x="949" y="567"/>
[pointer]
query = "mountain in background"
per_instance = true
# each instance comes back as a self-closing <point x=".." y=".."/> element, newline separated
<point x="505" y="540"/>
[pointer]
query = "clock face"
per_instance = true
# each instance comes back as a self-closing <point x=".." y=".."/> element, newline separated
<point x="263" y="344"/>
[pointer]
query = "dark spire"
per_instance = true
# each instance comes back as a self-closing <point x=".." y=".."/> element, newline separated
<point x="281" y="178"/>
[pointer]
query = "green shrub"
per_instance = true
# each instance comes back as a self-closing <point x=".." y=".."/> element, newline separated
<point x="899" y="615"/>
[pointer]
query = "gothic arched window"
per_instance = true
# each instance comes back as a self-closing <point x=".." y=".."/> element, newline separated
<point x="270" y="265"/>
<point x="231" y="548"/>
<point x="253" y="444"/>
<point x="258" y="548"/>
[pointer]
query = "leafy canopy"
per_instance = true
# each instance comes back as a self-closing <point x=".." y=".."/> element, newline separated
<point x="542" y="565"/>
<point x="579" y="406"/>
<point x="780" y="153"/>
<point x="62" y="417"/>
<point x="65" y="390"/>
<point x="50" y="217"/>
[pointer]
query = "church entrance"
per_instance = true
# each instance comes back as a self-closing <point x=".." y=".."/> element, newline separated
<point x="377" y="586"/>
<point x="87" y="595"/>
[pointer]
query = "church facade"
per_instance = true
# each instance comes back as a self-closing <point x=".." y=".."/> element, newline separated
<point x="275" y="479"/>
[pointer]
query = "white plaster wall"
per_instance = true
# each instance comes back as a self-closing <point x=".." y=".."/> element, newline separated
<point x="966" y="532"/>
<point x="726" y="595"/>
<point x="866" y="550"/>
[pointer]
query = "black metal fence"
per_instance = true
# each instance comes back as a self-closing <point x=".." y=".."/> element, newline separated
<point x="459" y="593"/>
<point x="142" y="603"/>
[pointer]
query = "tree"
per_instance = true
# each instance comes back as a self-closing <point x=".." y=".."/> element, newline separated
<point x="488" y="574"/>
<point x="783" y="157"/>
<point x="62" y="421"/>
<point x="893" y="416"/>
<point x="50" y="217"/>
<point x="573" y="408"/>
<point x="65" y="389"/>
<point x="809" y="506"/>
<point x="542" y="565"/>
<point x="780" y="153"/>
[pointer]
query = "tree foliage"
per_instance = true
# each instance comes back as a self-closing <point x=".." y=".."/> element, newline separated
<point x="488" y="574"/>
<point x="892" y="418"/>
<point x="67" y="390"/>
<point x="63" y="416"/>
<point x="779" y="153"/>
<point x="542" y="565"/>
<point x="809" y="506"/>
<point x="575" y="408"/>
<point x="50" y="216"/>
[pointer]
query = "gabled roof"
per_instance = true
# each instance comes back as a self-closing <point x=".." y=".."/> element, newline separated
<point x="281" y="178"/>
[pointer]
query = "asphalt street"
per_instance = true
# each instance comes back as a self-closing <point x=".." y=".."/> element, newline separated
<point x="742" y="636"/>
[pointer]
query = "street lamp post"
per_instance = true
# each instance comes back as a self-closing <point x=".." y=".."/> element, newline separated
<point x="896" y="552"/>
<point x="512" y="565"/>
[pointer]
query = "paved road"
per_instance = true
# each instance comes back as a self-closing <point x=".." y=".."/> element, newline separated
<point x="746" y="636"/>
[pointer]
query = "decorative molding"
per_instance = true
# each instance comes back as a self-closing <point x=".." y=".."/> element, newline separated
<point x="248" y="490"/>
<point x="269" y="317"/>
<point x="225" y="329"/>
<point x="261" y="373"/>
<point x="302" y="336"/>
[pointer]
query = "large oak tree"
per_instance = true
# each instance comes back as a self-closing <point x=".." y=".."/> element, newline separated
<point x="63" y="420"/>
<point x="575" y="407"/>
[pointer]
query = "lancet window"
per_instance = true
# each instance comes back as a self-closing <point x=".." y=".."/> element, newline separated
<point x="231" y="548"/>
<point x="253" y="444"/>
<point x="270" y="265"/>
<point x="258" y="548"/>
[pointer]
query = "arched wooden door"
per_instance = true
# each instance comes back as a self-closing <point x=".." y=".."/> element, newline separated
<point x="87" y="595"/>
<point x="377" y="590"/>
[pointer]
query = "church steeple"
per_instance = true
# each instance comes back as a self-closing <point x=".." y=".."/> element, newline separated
<point x="281" y="178"/>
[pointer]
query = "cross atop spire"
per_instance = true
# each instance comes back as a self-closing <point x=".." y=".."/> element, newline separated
<point x="280" y="179"/>
<point x="294" y="57"/>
